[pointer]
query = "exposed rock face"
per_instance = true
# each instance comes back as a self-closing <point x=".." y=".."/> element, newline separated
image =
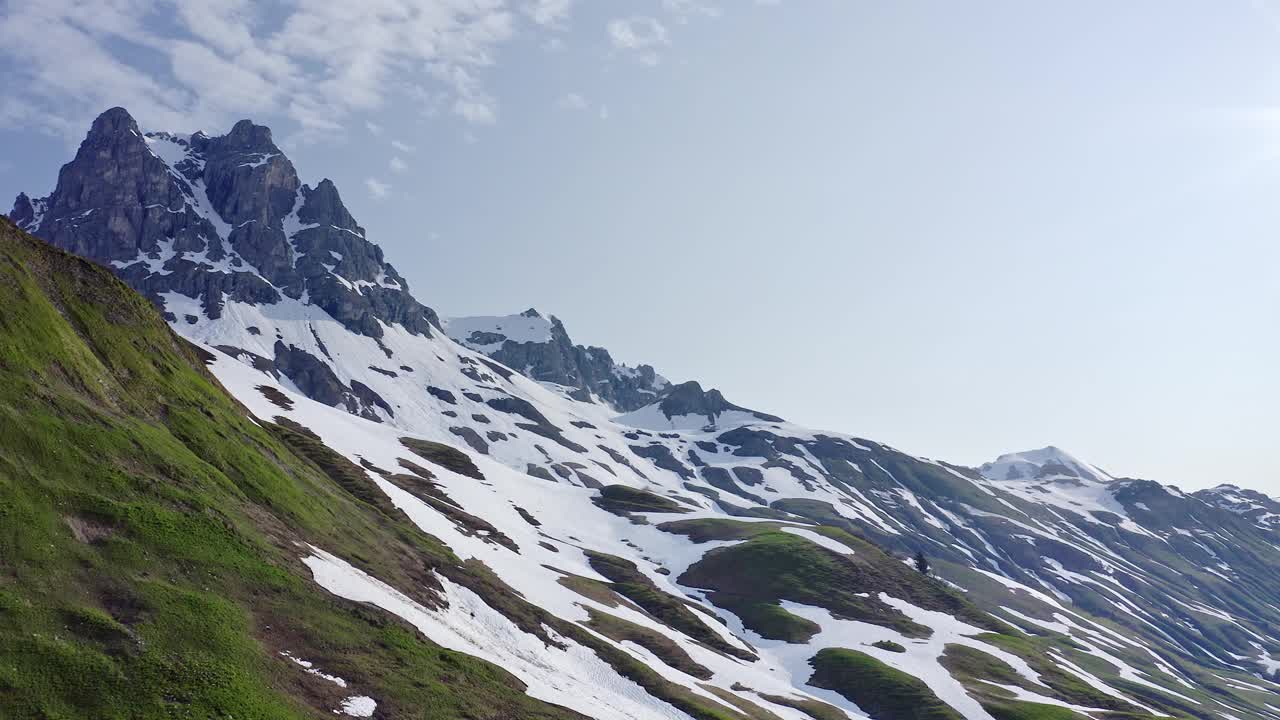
<point x="541" y="349"/>
<point x="225" y="219"/>
<point x="218" y="218"/>
<point x="317" y="380"/>
<point x="690" y="399"/>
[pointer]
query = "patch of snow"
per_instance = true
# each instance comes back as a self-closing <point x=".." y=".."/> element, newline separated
<point x="311" y="669"/>
<point x="819" y="539"/>
<point x="358" y="706"/>
<point x="516" y="328"/>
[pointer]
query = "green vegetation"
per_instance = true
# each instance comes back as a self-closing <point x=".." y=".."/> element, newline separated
<point x="882" y="692"/>
<point x="623" y="500"/>
<point x="703" y="530"/>
<point x="1013" y="710"/>
<point x="815" y="709"/>
<point x="751" y="710"/>
<point x="975" y="669"/>
<point x="594" y="589"/>
<point x="772" y="566"/>
<point x="1035" y="650"/>
<point x="967" y="663"/>
<point x="150" y="533"/>
<point x="770" y="620"/>
<point x="890" y="646"/>
<point x="627" y="580"/>
<point x="615" y="628"/>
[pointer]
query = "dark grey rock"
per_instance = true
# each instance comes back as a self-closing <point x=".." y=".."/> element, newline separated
<point x="117" y="203"/>
<point x="442" y="394"/>
<point x="518" y="406"/>
<point x="720" y="479"/>
<point x="690" y="399"/>
<point x="472" y="438"/>
<point x="539" y="472"/>
<point x="587" y="369"/>
<point x="317" y="381"/>
<point x="661" y="456"/>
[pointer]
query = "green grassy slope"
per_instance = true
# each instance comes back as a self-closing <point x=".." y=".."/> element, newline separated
<point x="150" y="534"/>
<point x="750" y="578"/>
<point x="879" y="690"/>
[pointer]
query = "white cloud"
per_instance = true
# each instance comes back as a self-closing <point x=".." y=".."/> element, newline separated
<point x="188" y="64"/>
<point x="604" y="112"/>
<point x="639" y="32"/>
<point x="551" y="13"/>
<point x="403" y="147"/>
<point x="473" y="104"/>
<point x="480" y="111"/>
<point x="685" y="9"/>
<point x="374" y="128"/>
<point x="377" y="189"/>
<point x="573" y="101"/>
<point x="640" y="35"/>
<point x="398" y="165"/>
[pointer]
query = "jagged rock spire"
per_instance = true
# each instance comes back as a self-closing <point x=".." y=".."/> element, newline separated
<point x="218" y="218"/>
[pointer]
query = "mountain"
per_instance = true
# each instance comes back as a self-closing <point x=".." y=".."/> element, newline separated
<point x="541" y="348"/>
<point x="156" y="537"/>
<point x="669" y="553"/>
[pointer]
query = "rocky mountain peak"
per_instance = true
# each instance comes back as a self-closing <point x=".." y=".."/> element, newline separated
<point x="324" y="206"/>
<point x="246" y="135"/>
<point x="23" y="211"/>
<point x="114" y="121"/>
<point x="197" y="222"/>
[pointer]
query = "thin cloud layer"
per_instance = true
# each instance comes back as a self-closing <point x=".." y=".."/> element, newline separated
<point x="638" y="34"/>
<point x="377" y="189"/>
<point x="316" y="63"/>
<point x="185" y="65"/>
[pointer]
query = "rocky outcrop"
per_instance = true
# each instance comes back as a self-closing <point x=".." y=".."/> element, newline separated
<point x="549" y="355"/>
<point x="318" y="381"/>
<point x="218" y="219"/>
<point x="690" y="399"/>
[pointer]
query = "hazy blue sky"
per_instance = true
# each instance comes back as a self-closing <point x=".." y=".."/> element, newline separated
<point x="959" y="228"/>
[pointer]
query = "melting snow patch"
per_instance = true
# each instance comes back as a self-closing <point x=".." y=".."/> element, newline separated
<point x="516" y="328"/>
<point x="819" y="539"/>
<point x="358" y="706"/>
<point x="310" y="668"/>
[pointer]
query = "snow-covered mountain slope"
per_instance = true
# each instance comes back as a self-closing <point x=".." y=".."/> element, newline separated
<point x="727" y="562"/>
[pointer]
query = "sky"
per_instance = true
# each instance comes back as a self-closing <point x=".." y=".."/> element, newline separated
<point x="961" y="229"/>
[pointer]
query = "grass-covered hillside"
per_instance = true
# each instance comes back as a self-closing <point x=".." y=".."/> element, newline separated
<point x="150" y="534"/>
